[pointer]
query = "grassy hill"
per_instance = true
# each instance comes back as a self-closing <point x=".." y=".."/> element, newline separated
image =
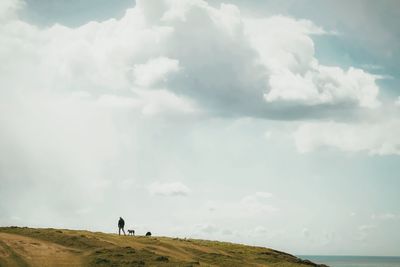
<point x="59" y="247"/>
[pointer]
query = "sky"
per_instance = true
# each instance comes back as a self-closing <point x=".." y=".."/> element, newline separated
<point x="271" y="123"/>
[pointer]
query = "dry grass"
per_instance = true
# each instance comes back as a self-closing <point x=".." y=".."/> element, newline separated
<point x="101" y="249"/>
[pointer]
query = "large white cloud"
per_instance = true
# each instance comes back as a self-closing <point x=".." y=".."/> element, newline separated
<point x="287" y="50"/>
<point x="224" y="62"/>
<point x="325" y="85"/>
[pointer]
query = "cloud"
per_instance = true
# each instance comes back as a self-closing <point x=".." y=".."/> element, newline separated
<point x="169" y="189"/>
<point x="325" y="85"/>
<point x="286" y="49"/>
<point x="9" y="8"/>
<point x="375" y="138"/>
<point x="114" y="101"/>
<point x="372" y="67"/>
<point x="150" y="102"/>
<point x="236" y="66"/>
<point x="154" y="71"/>
<point x="66" y="145"/>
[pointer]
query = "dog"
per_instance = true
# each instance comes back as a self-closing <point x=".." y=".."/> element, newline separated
<point x="148" y="234"/>
<point x="131" y="232"/>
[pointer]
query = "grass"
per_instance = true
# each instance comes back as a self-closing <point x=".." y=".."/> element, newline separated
<point x="13" y="256"/>
<point x="101" y="249"/>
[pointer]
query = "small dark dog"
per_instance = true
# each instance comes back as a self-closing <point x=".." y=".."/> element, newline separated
<point x="148" y="234"/>
<point x="131" y="232"/>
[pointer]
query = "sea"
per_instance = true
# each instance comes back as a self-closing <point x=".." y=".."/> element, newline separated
<point x="355" y="261"/>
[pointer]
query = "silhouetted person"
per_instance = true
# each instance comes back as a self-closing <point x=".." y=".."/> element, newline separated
<point x="121" y="225"/>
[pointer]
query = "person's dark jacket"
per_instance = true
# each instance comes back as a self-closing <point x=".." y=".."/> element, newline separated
<point x="121" y="223"/>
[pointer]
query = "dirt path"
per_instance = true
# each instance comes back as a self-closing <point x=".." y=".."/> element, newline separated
<point x="16" y="250"/>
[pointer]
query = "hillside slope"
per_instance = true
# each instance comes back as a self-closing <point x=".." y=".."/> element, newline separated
<point x="59" y="247"/>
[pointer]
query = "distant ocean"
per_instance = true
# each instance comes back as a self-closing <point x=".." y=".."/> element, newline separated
<point x="354" y="261"/>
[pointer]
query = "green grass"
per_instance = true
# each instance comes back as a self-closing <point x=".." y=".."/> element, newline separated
<point x="101" y="249"/>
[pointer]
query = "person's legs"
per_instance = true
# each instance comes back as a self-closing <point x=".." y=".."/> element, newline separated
<point x="119" y="230"/>
<point x="123" y="230"/>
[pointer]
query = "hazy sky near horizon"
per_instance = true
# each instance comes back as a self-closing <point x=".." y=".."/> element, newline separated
<point x="273" y="123"/>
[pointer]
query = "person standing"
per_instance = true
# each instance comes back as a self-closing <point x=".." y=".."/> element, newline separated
<point x="121" y="225"/>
